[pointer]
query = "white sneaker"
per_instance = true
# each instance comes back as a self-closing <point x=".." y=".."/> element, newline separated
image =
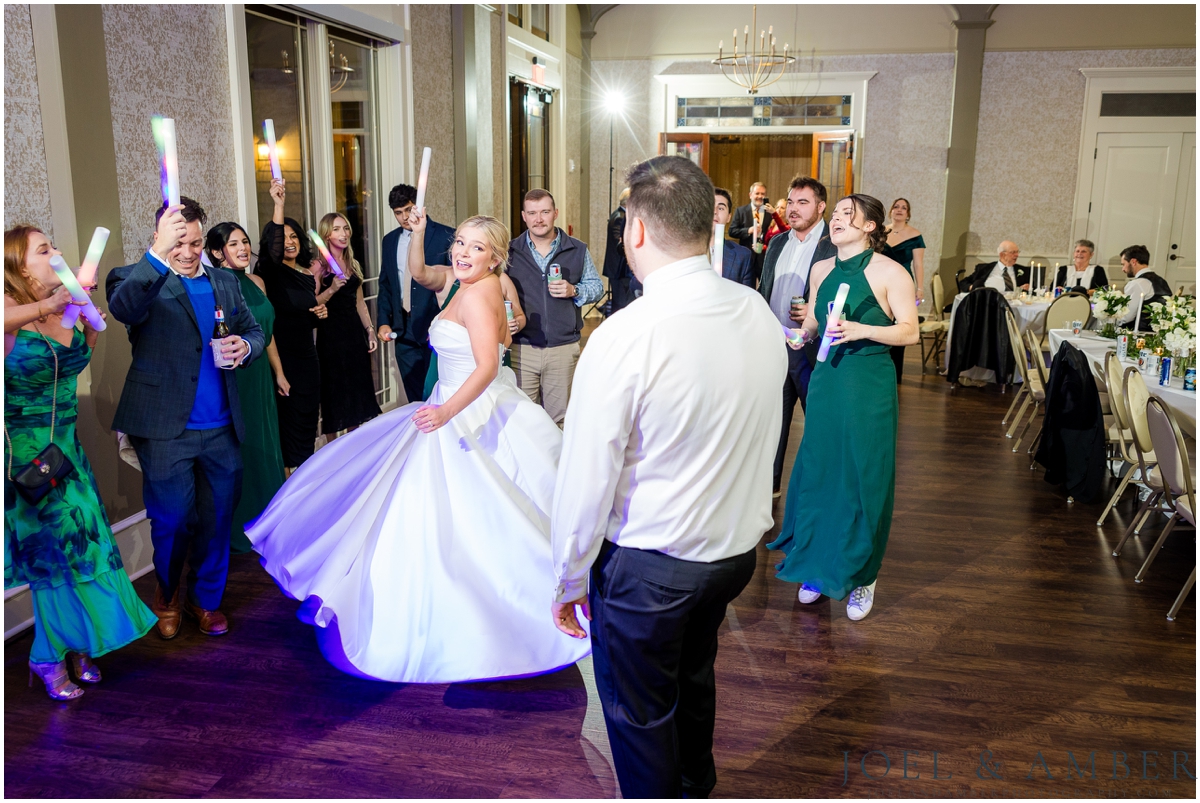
<point x="809" y="595"/>
<point x="861" y="600"/>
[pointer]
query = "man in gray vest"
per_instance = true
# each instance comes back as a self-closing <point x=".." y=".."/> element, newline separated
<point x="555" y="277"/>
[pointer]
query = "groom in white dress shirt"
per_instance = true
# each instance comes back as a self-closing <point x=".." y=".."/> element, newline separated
<point x="673" y="422"/>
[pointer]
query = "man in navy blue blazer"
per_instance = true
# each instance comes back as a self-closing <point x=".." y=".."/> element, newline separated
<point x="737" y="262"/>
<point x="181" y="410"/>
<point x="405" y="307"/>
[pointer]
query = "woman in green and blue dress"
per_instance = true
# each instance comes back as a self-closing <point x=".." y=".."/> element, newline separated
<point x="228" y="247"/>
<point x="839" y="502"/>
<point x="906" y="246"/>
<point x="83" y="603"/>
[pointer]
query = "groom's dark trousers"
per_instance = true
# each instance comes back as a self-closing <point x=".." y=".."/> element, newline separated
<point x="654" y="641"/>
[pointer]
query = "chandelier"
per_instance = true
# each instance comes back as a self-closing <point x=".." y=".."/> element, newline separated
<point x="756" y="66"/>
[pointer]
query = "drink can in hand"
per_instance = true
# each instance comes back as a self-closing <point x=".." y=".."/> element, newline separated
<point x="1164" y="372"/>
<point x="508" y="310"/>
<point x="221" y="360"/>
<point x="554" y="272"/>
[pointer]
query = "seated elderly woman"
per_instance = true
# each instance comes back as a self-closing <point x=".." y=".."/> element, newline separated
<point x="1004" y="274"/>
<point x="1081" y="272"/>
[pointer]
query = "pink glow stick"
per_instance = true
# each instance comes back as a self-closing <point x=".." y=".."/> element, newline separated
<point x="328" y="257"/>
<point x="88" y="310"/>
<point x="164" y="137"/>
<point x="272" y="152"/>
<point x="87" y="272"/>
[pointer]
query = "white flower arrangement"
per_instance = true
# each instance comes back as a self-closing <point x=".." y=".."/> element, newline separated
<point x="1174" y="322"/>
<point x="1109" y="303"/>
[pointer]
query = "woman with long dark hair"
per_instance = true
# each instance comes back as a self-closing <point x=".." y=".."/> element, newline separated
<point x="346" y="338"/>
<point x="839" y="501"/>
<point x="284" y="263"/>
<point x="228" y="247"/>
<point x="61" y="544"/>
<point x="906" y="246"/>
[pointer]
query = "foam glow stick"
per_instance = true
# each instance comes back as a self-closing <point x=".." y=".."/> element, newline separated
<point x="718" y="258"/>
<point x="77" y="292"/>
<point x="797" y="338"/>
<point x="835" y="314"/>
<point x="423" y="179"/>
<point x="328" y="257"/>
<point x="164" y="137"/>
<point x="272" y="153"/>
<point x="87" y="271"/>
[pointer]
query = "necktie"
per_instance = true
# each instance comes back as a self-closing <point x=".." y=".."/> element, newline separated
<point x="1008" y="282"/>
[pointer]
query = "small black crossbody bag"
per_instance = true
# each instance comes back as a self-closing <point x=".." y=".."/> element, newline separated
<point x="46" y="471"/>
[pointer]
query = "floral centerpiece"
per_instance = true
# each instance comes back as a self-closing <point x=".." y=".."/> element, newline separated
<point x="1174" y="325"/>
<point x="1109" y="304"/>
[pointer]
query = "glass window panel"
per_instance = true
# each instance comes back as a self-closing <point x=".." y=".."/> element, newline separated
<point x="826" y="99"/>
<point x="815" y="110"/>
<point x="539" y="20"/>
<point x="703" y="101"/>
<point x="744" y="113"/>
<point x="1148" y="104"/>
<point x="738" y="101"/>
<point x="787" y="111"/>
<point x="273" y="49"/>
<point x="516" y="13"/>
<point x="703" y="111"/>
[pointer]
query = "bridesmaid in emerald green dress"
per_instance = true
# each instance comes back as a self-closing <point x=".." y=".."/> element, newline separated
<point x="839" y="500"/>
<point x="906" y="246"/>
<point x="83" y="603"/>
<point x="228" y="246"/>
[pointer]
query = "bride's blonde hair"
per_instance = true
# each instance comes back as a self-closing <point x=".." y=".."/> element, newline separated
<point x="495" y="234"/>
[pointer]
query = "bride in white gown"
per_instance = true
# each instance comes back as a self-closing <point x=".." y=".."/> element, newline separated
<point x="420" y="542"/>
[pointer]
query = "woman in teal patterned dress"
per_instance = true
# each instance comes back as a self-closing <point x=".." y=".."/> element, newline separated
<point x="83" y="603"/>
<point x="839" y="501"/>
<point x="228" y="246"/>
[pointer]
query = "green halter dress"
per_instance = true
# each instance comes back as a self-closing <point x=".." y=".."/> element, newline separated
<point x="839" y="502"/>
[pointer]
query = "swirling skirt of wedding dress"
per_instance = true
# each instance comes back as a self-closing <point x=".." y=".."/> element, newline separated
<point x="425" y="558"/>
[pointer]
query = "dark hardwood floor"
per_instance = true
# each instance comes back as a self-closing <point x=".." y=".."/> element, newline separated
<point x="1005" y="639"/>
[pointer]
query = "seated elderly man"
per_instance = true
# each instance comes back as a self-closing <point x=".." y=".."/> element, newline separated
<point x="1004" y="274"/>
<point x="1082" y="273"/>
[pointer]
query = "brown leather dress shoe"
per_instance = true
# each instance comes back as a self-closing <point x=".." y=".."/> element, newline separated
<point x="167" y="613"/>
<point x="212" y="623"/>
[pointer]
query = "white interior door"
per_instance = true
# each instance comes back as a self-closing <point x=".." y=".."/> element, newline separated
<point x="1181" y="256"/>
<point x="1133" y="196"/>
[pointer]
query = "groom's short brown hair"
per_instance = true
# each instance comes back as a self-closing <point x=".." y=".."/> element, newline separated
<point x="674" y="198"/>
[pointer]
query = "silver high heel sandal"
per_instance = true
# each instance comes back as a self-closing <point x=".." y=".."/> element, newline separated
<point x="85" y="670"/>
<point x="58" y="682"/>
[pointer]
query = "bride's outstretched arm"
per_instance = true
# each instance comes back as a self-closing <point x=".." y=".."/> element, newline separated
<point x="478" y="308"/>
<point x="431" y="277"/>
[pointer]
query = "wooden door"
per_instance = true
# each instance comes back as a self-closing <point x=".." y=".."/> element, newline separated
<point x="833" y="164"/>
<point x="1181" y="258"/>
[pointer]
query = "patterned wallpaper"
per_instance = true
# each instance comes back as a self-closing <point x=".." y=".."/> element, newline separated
<point x="1030" y="121"/>
<point x="26" y="187"/>
<point x="171" y="60"/>
<point x="433" y="103"/>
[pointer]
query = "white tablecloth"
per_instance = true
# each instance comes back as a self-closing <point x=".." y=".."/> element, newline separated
<point x="1182" y="402"/>
<point x="1029" y="316"/>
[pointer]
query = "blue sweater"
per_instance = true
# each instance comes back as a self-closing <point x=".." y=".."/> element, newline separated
<point x="211" y="408"/>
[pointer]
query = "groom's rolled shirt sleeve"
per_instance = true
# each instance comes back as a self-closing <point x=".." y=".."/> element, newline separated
<point x="596" y="433"/>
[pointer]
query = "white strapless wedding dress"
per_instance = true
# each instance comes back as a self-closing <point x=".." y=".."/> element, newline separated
<point x="425" y="558"/>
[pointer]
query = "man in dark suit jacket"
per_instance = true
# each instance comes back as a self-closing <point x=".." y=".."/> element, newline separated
<point x="742" y="227"/>
<point x="181" y="410"/>
<point x="622" y="283"/>
<point x="785" y="275"/>
<point x="737" y="263"/>
<point x="1005" y="264"/>
<point x="409" y="318"/>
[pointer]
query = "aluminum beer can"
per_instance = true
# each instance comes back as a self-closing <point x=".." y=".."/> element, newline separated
<point x="508" y="311"/>
<point x="1189" y="379"/>
<point x="797" y="301"/>
<point x="1122" y="347"/>
<point x="555" y="272"/>
<point x="1164" y="372"/>
<point x="1076" y="327"/>
<point x="1144" y="360"/>
<point x="1058" y="291"/>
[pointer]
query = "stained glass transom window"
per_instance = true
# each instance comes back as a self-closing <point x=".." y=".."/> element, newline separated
<point x="763" y="111"/>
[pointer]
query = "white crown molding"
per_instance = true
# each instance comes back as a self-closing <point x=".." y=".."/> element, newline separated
<point x="1138" y="72"/>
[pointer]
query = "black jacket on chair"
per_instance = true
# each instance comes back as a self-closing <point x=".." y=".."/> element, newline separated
<point x="980" y="336"/>
<point x="1073" y="433"/>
